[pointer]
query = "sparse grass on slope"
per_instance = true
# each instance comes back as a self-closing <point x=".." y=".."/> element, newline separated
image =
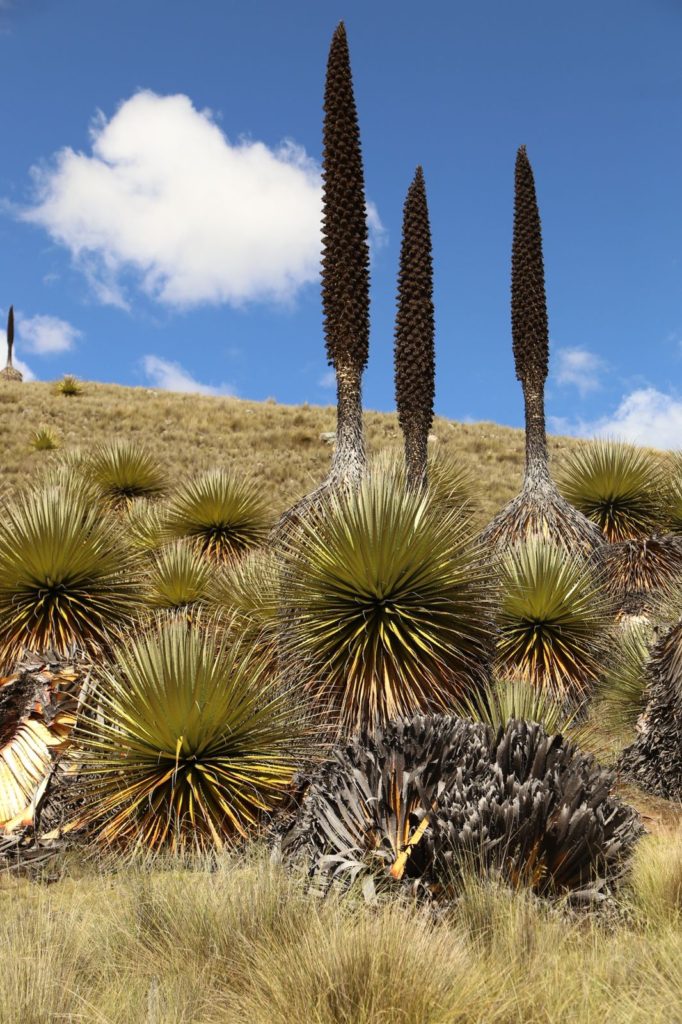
<point x="278" y="445"/>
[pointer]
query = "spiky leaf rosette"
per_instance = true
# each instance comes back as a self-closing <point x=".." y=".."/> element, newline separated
<point x="639" y="574"/>
<point x="191" y="745"/>
<point x="123" y="471"/>
<point x="67" y="575"/>
<point x="672" y="496"/>
<point x="554" y="619"/>
<point x="69" y="386"/>
<point x="44" y="440"/>
<point x="388" y="604"/>
<point x="622" y="692"/>
<point x="450" y="483"/>
<point x="426" y="798"/>
<point x="144" y="523"/>
<point x="178" y="578"/>
<point x="654" y="761"/>
<point x="617" y="486"/>
<point x="498" y="700"/>
<point x="414" y="331"/>
<point x="222" y="514"/>
<point x="249" y="590"/>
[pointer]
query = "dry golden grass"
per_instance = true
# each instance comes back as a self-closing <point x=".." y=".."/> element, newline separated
<point x="129" y="944"/>
<point x="278" y="445"/>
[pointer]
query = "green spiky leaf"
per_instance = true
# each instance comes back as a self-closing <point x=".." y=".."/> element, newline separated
<point x="221" y="513"/>
<point x="554" y="619"/>
<point x="189" y="743"/>
<point x="387" y="602"/>
<point x="617" y="486"/>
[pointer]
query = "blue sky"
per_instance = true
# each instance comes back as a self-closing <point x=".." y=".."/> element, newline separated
<point x="159" y="194"/>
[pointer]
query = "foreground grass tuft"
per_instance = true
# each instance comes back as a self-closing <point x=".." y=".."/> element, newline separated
<point x="239" y="940"/>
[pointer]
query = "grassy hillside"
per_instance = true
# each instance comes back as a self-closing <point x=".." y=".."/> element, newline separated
<point x="277" y="444"/>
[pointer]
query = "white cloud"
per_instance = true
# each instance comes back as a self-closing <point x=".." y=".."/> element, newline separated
<point x="18" y="364"/>
<point x="579" y="368"/>
<point x="169" y="376"/>
<point x="196" y="217"/>
<point x="645" y="416"/>
<point x="327" y="380"/>
<point x="23" y="368"/>
<point x="378" y="235"/>
<point x="46" y="335"/>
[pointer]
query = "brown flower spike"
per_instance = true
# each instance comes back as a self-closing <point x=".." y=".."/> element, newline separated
<point x="345" y="259"/>
<point x="414" y="332"/>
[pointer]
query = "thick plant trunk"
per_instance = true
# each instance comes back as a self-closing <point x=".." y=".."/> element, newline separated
<point x="537" y="455"/>
<point x="416" y="455"/>
<point x="349" y="461"/>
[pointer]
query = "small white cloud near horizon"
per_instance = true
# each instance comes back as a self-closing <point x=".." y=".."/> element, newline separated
<point x="579" y="368"/>
<point x="170" y="376"/>
<point x="646" y="416"/>
<point x="327" y="380"/>
<point x="167" y="203"/>
<point x="46" y="335"/>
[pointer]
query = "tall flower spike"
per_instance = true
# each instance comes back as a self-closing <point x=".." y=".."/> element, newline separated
<point x="539" y="510"/>
<point x="10" y="373"/>
<point x="345" y="259"/>
<point x="414" y="332"/>
<point x="529" y="314"/>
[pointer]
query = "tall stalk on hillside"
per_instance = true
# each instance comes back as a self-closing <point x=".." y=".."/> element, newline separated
<point x="10" y="373"/>
<point x="345" y="260"/>
<point x="414" y="332"/>
<point x="539" y="508"/>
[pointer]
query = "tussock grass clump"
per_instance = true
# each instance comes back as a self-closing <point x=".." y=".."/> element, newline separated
<point x="67" y="576"/>
<point x="130" y="947"/>
<point x="69" y="386"/>
<point x="388" y="603"/>
<point x="44" y="440"/>
<point x="191" y="744"/>
<point x="124" y="470"/>
<point x="554" y="620"/>
<point x="656" y="883"/>
<point x="222" y="514"/>
<point x="617" y="486"/>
